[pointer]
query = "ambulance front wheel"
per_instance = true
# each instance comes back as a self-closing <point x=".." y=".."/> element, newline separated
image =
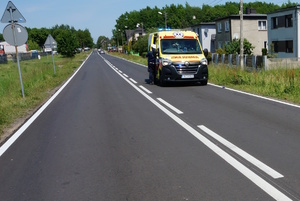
<point x="162" y="81"/>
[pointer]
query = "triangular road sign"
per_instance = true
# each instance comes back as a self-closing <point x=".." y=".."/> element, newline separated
<point x="50" y="42"/>
<point x="16" y="15"/>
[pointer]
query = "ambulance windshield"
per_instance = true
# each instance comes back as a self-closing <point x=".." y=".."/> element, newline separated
<point x="180" y="46"/>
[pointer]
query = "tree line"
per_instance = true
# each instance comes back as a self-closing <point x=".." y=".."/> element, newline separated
<point x="68" y="38"/>
<point x="182" y="16"/>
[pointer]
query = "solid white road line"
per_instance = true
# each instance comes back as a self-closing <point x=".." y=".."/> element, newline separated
<point x="257" y="96"/>
<point x="264" y="185"/>
<point x="170" y="106"/>
<point x="242" y="153"/>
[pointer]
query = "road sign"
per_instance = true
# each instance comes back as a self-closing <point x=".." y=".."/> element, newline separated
<point x="12" y="14"/>
<point x="21" y="34"/>
<point x="50" y="42"/>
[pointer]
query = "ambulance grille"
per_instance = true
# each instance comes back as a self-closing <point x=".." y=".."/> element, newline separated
<point x="181" y="69"/>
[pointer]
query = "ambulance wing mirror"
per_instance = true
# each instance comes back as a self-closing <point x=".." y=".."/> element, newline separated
<point x="205" y="51"/>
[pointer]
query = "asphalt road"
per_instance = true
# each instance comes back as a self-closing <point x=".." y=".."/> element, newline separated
<point x="110" y="136"/>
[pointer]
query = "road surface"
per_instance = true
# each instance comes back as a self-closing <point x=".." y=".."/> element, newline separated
<point x="107" y="135"/>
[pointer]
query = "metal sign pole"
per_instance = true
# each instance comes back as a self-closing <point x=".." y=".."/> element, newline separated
<point x="17" y="55"/>
<point x="52" y="55"/>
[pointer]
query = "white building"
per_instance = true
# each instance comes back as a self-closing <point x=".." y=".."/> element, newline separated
<point x="284" y="32"/>
<point x="6" y="48"/>
<point x="207" y="34"/>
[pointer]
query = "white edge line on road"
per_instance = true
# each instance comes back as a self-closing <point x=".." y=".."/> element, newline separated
<point x="257" y="96"/>
<point x="146" y="90"/>
<point x="20" y="131"/>
<point x="170" y="106"/>
<point x="242" y="153"/>
<point x="261" y="183"/>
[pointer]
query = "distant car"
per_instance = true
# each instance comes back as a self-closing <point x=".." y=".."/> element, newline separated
<point x="102" y="52"/>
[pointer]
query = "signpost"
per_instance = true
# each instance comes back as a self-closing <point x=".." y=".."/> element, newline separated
<point x="14" y="33"/>
<point x="51" y="43"/>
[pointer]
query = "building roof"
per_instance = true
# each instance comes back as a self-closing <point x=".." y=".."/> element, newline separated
<point x="286" y="9"/>
<point x="204" y="23"/>
<point x="245" y="17"/>
<point x="129" y="33"/>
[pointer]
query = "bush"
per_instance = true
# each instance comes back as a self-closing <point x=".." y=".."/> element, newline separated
<point x="67" y="43"/>
<point x="209" y="57"/>
<point x="234" y="47"/>
<point x="220" y="51"/>
<point x="140" y="45"/>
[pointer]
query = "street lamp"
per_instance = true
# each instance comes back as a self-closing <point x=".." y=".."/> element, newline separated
<point x="165" y="18"/>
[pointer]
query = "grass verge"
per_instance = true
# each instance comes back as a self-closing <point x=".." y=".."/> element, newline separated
<point x="39" y="81"/>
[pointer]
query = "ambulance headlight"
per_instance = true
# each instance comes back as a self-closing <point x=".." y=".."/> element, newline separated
<point x="203" y="61"/>
<point x="166" y="62"/>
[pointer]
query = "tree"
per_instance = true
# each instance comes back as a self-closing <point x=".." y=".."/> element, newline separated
<point x="102" y="42"/>
<point x="32" y="45"/>
<point x="234" y="47"/>
<point x="38" y="36"/>
<point x="85" y="39"/>
<point x="67" y="43"/>
<point x="140" y="45"/>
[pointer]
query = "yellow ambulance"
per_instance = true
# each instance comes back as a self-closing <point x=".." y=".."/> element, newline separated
<point x="179" y="57"/>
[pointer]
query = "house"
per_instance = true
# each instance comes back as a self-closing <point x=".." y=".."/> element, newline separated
<point x="207" y="34"/>
<point x="284" y="32"/>
<point x="134" y="34"/>
<point x="254" y="30"/>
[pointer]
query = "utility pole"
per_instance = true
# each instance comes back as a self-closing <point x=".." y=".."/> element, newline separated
<point x="241" y="36"/>
<point x="165" y="18"/>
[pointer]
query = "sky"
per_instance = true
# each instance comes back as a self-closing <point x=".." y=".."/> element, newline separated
<point x="98" y="16"/>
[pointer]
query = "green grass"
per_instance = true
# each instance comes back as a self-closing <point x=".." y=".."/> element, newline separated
<point x="282" y="83"/>
<point x="38" y="81"/>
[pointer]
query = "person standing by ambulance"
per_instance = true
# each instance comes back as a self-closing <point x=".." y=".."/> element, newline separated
<point x="151" y="55"/>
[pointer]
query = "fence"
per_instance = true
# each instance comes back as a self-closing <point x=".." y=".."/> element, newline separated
<point x="274" y="63"/>
<point x="251" y="62"/>
<point x="22" y="56"/>
<point x="256" y="62"/>
<point x="3" y="59"/>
